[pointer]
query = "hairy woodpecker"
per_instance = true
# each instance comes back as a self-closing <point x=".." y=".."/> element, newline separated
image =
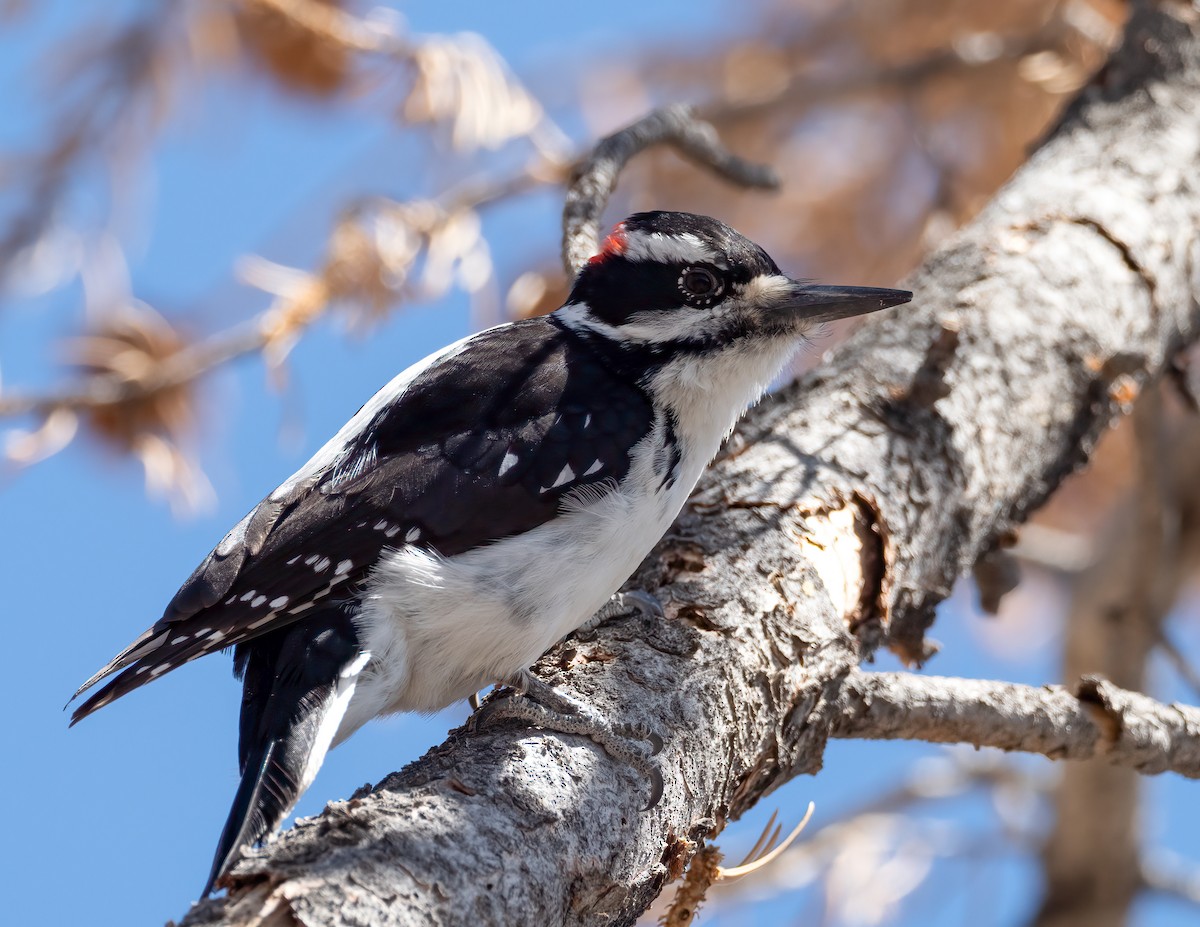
<point x="486" y="502"/>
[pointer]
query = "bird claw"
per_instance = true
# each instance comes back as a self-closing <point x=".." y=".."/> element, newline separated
<point x="656" y="787"/>
<point x="639" y="730"/>
<point x="534" y="702"/>
<point x="635" y="602"/>
<point x="623" y="605"/>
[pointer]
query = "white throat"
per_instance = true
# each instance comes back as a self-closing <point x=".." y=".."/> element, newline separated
<point x="709" y="394"/>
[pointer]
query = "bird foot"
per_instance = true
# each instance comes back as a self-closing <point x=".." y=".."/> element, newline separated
<point x="534" y="702"/>
<point x="623" y="605"/>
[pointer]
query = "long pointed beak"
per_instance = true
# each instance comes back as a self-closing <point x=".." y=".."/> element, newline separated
<point x="828" y="303"/>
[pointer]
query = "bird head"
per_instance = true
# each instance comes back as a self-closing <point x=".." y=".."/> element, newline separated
<point x="686" y="283"/>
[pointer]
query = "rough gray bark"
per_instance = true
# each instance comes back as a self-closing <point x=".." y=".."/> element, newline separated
<point x="1098" y="720"/>
<point x="842" y="515"/>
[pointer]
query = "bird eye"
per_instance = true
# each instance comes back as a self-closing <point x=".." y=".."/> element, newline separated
<point x="701" y="284"/>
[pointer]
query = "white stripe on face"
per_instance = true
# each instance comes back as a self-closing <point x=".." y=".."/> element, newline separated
<point x="682" y="324"/>
<point x="683" y="248"/>
<point x="576" y="316"/>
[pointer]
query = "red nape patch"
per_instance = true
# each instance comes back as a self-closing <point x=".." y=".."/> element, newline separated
<point x="615" y="243"/>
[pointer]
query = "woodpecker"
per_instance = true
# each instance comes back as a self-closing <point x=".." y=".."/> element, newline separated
<point x="485" y="503"/>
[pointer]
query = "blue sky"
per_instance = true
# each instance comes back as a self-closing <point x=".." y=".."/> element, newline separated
<point x="116" y="820"/>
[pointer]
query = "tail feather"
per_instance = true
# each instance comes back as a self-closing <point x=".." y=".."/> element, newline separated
<point x="264" y="797"/>
<point x="297" y="684"/>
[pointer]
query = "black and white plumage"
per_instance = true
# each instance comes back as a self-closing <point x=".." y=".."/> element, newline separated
<point x="483" y="504"/>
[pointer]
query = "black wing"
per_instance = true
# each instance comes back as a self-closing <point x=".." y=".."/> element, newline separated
<point x="482" y="444"/>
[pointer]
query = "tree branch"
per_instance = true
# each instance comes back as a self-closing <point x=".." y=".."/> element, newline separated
<point x="596" y="175"/>
<point x="1097" y="720"/>
<point x="846" y="514"/>
<point x="106" y="390"/>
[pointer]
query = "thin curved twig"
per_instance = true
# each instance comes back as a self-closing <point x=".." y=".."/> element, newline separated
<point x="595" y="178"/>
